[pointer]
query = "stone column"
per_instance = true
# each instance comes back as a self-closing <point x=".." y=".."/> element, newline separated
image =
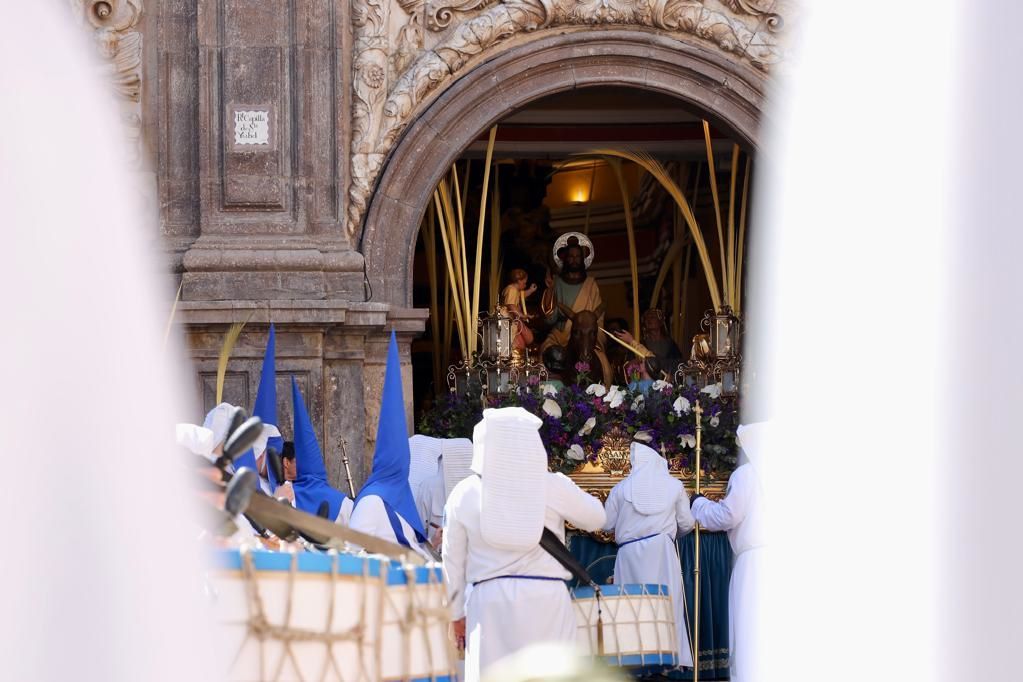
<point x="269" y="167"/>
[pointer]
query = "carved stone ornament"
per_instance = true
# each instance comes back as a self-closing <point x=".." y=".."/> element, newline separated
<point x="381" y="111"/>
<point x="112" y="22"/>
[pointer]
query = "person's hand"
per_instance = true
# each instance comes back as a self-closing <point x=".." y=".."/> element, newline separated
<point x="625" y="336"/>
<point x="548" y="279"/>
<point x="437" y="538"/>
<point x="458" y="626"/>
<point x="531" y="290"/>
<point x="286" y="491"/>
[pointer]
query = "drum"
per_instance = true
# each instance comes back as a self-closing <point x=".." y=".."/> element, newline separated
<point x="638" y="624"/>
<point x="309" y="616"/>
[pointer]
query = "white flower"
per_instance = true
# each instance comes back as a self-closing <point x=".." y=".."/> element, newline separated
<point x="713" y="390"/>
<point x="714" y="421"/>
<point x="687" y="440"/>
<point x="681" y="405"/>
<point x="576" y="452"/>
<point x="588" y="426"/>
<point x="637" y="403"/>
<point x="643" y="436"/>
<point x="660" y="385"/>
<point x="596" y="389"/>
<point x="614" y="397"/>
<point x="552" y="408"/>
<point x="548" y="389"/>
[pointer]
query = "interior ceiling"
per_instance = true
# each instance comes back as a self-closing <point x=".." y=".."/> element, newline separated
<point x="579" y="120"/>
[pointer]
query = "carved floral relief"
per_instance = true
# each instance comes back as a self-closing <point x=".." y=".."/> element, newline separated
<point x="439" y="37"/>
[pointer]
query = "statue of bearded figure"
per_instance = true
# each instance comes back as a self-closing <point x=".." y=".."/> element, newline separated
<point x="572" y="288"/>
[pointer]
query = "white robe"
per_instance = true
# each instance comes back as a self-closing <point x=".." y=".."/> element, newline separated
<point x="370" y="517"/>
<point x="430" y="502"/>
<point x="344" y="514"/>
<point x="505" y="615"/>
<point x="654" y="560"/>
<point x="740" y="513"/>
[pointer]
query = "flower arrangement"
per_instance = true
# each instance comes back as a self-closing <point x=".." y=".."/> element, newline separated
<point x="577" y="416"/>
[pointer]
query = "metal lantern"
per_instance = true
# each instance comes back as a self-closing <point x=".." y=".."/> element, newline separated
<point x="463" y="379"/>
<point x="499" y="378"/>
<point x="521" y="374"/>
<point x="724" y="333"/>
<point x="727" y="374"/>
<point x="693" y="374"/>
<point x="497" y="330"/>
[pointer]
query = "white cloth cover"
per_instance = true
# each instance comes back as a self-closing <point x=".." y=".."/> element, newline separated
<point x="649" y="488"/>
<point x="457" y="462"/>
<point x="425" y="452"/>
<point x="654" y="560"/>
<point x="506" y="615"/>
<point x="218" y="420"/>
<point x="510" y="457"/>
<point x="370" y="516"/>
<point x="196" y="439"/>
<point x="741" y="514"/>
<point x="269" y="431"/>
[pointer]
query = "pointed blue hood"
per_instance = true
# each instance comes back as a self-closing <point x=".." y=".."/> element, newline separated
<point x="389" y="478"/>
<point x="311" y="487"/>
<point x="266" y="400"/>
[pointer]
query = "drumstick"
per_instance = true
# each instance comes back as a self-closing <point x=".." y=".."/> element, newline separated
<point x="239" y="491"/>
<point x="630" y="347"/>
<point x="284" y="520"/>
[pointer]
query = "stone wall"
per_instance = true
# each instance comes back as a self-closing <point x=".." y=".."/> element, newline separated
<point x="287" y="139"/>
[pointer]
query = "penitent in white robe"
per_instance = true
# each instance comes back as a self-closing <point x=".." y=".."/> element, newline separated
<point x="740" y="513"/>
<point x="508" y="614"/>
<point x="430" y="502"/>
<point x="654" y="560"/>
<point x="370" y="517"/>
<point x="344" y="515"/>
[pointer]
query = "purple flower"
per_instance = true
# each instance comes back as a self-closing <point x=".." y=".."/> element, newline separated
<point x="582" y="367"/>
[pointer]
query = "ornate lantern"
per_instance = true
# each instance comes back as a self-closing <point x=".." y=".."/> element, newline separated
<point x="497" y="331"/>
<point x="464" y="379"/>
<point x="522" y="374"/>
<point x="727" y="374"/>
<point x="499" y="379"/>
<point x="724" y="333"/>
<point x="693" y="373"/>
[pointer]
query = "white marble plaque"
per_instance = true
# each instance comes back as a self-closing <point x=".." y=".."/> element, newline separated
<point x="251" y="127"/>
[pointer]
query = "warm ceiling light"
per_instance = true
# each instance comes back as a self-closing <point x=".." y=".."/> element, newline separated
<point x="579" y="195"/>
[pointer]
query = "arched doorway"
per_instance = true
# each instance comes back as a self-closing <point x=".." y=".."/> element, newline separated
<point x="724" y="91"/>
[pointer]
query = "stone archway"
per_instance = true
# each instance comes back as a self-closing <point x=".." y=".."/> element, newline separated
<point x="728" y="92"/>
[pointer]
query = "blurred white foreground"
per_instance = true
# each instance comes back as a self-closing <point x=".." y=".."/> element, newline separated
<point x="99" y="578"/>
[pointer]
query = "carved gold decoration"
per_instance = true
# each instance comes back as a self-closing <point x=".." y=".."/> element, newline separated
<point x="380" y="115"/>
<point x="599" y="484"/>
<point x="614" y="456"/>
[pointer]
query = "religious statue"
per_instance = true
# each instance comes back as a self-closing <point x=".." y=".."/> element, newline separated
<point x="571" y="292"/>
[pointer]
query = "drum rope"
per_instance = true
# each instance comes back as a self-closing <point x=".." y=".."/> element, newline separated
<point x="260" y="628"/>
<point x="417" y="614"/>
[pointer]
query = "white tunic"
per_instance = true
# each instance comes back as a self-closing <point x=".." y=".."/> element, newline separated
<point x="507" y="614"/>
<point x="370" y="517"/>
<point x="740" y="513"/>
<point x="344" y="515"/>
<point x="654" y="560"/>
<point x="430" y="502"/>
